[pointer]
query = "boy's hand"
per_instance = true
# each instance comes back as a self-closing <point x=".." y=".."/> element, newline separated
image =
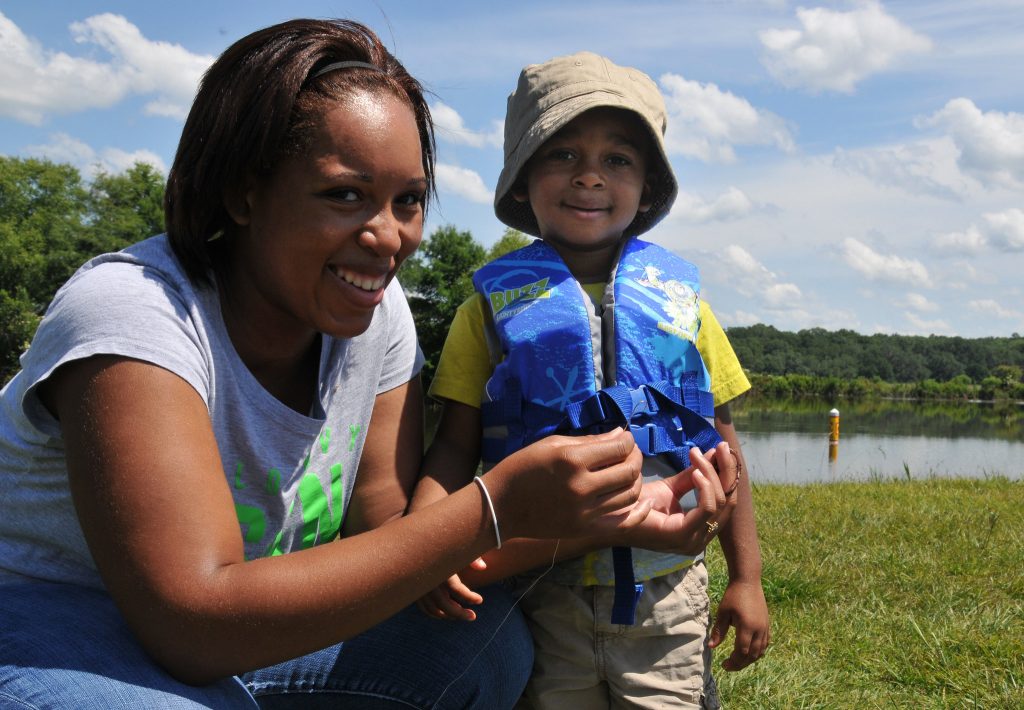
<point x="666" y="492"/>
<point x="668" y="527"/>
<point x="450" y="599"/>
<point x="743" y="606"/>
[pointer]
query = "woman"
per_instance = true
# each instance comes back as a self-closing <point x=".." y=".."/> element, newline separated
<point x="198" y="414"/>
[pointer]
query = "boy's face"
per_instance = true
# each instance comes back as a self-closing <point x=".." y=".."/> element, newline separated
<point x="587" y="183"/>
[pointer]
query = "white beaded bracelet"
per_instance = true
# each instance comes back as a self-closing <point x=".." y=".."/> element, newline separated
<point x="490" y="505"/>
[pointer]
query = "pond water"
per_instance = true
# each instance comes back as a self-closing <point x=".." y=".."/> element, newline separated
<point x="787" y="441"/>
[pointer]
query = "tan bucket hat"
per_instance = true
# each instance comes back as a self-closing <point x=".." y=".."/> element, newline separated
<point x="551" y="94"/>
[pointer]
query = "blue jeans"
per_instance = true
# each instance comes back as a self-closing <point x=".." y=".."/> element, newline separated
<point x="63" y="646"/>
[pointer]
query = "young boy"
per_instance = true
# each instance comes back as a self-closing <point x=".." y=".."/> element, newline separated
<point x="585" y="329"/>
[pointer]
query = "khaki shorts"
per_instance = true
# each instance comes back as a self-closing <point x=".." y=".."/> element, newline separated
<point x="583" y="661"/>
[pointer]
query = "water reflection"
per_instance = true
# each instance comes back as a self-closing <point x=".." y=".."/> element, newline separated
<point x="787" y="441"/>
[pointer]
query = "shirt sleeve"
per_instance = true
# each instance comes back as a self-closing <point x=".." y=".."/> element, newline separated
<point x="115" y="308"/>
<point x="403" y="357"/>
<point x="728" y="380"/>
<point x="465" y="363"/>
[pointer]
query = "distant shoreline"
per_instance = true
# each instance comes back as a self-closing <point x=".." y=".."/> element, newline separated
<point x="959" y="389"/>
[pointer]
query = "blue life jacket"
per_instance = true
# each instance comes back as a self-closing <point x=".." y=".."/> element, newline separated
<point x="563" y="367"/>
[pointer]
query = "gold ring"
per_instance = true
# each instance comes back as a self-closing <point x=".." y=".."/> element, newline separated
<point x="712" y="527"/>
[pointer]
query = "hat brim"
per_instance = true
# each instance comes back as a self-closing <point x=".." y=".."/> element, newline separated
<point x="519" y="215"/>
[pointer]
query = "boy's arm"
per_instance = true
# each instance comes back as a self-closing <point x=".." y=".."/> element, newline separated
<point x="453" y="456"/>
<point x="743" y="605"/>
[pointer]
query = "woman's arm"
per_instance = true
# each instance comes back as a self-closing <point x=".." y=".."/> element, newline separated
<point x="390" y="462"/>
<point x="665" y="527"/>
<point x="157" y="513"/>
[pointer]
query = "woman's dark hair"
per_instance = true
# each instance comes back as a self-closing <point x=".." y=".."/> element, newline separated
<point x="258" y="103"/>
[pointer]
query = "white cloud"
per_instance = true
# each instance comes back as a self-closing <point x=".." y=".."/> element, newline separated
<point x="833" y="51"/>
<point x="115" y="160"/>
<point x="754" y="280"/>
<point x="969" y="241"/>
<point x="1003" y="231"/>
<point x="990" y="307"/>
<point x="731" y="204"/>
<point x="464" y="182"/>
<point x="965" y="275"/>
<point x="991" y="144"/>
<point x="920" y="168"/>
<point x="35" y="82"/>
<point x="63" y="148"/>
<point x="918" y="302"/>
<point x="738" y="318"/>
<point x="929" y="327"/>
<point x="451" y="127"/>
<point x="744" y="262"/>
<point x="879" y="267"/>
<point x="781" y="295"/>
<point x="706" y="123"/>
<point x="1006" y="229"/>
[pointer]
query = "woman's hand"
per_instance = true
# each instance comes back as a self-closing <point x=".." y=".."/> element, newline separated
<point x="570" y="486"/>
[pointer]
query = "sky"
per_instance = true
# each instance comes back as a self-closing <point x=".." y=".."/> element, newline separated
<point x="855" y="164"/>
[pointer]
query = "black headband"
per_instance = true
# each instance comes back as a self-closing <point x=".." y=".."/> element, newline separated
<point x="335" y="66"/>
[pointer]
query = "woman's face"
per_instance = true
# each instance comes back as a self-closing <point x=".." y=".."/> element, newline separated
<point x="322" y="236"/>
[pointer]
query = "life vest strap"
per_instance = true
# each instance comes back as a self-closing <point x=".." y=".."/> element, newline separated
<point x="688" y="395"/>
<point x="675" y="418"/>
<point x="627" y="590"/>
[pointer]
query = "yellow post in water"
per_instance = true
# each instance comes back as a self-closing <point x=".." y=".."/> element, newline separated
<point x="833" y="435"/>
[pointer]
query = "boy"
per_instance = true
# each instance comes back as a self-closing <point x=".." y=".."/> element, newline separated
<point x="585" y="329"/>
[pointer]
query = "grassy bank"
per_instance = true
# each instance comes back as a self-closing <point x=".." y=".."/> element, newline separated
<point x="888" y="594"/>
<point x="1009" y="388"/>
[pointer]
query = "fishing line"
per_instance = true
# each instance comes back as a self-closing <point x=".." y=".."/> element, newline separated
<point x="554" y="556"/>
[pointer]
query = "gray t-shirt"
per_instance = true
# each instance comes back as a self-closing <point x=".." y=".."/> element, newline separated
<point x="291" y="475"/>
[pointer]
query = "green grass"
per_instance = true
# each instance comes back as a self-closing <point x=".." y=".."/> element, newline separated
<point x="887" y="594"/>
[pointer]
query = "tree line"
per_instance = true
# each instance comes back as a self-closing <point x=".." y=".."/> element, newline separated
<point x="52" y="220"/>
<point x="893" y="358"/>
<point x="844" y="363"/>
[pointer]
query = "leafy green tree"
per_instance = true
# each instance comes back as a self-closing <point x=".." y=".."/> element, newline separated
<point x="125" y="207"/>
<point x="18" y="322"/>
<point x="844" y="354"/>
<point x="511" y="240"/>
<point x="943" y="365"/>
<point x="437" y="279"/>
<point x="1008" y="374"/>
<point x="42" y="213"/>
<point x="51" y="221"/>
